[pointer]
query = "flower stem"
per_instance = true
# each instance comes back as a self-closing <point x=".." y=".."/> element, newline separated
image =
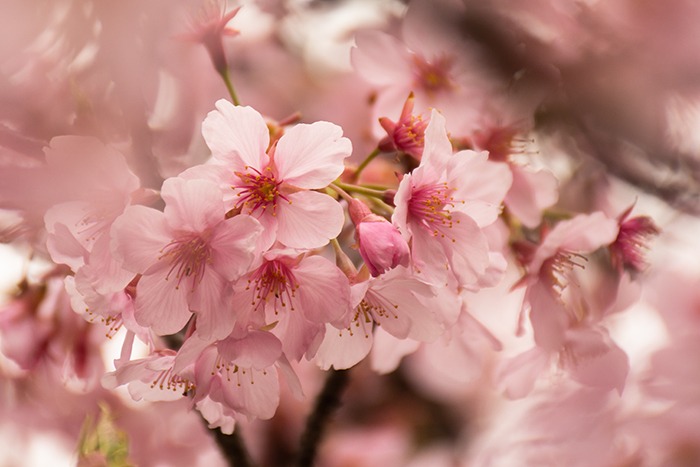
<point x="371" y="192"/>
<point x="327" y="403"/>
<point x="232" y="448"/>
<point x="343" y="194"/>
<point x="365" y="163"/>
<point x="226" y="76"/>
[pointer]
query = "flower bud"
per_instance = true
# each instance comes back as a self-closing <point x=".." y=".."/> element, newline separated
<point x="381" y="245"/>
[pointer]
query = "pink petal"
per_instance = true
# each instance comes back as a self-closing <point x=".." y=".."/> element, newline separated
<point x="381" y="59"/>
<point x="299" y="336"/>
<point x="343" y="348"/>
<point x="258" y="349"/>
<point x="233" y="244"/>
<point x="470" y="252"/>
<point x="388" y="351"/>
<point x="311" y="156"/>
<point x="192" y="205"/>
<point x="438" y="149"/>
<point x="428" y="257"/>
<point x="516" y="376"/>
<point x="160" y="305"/>
<point x="324" y="291"/>
<point x="584" y="233"/>
<point x="63" y="247"/>
<point x="138" y="236"/>
<point x="255" y="393"/>
<point x="309" y="221"/>
<point x="480" y="183"/>
<point x="598" y="361"/>
<point x="530" y="194"/>
<point x="548" y="316"/>
<point x="211" y="301"/>
<point x="237" y="136"/>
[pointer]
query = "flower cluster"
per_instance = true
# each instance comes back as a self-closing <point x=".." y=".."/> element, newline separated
<point x="235" y="248"/>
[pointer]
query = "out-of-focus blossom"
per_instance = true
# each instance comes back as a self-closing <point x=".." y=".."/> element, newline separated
<point x="209" y="28"/>
<point x="627" y="251"/>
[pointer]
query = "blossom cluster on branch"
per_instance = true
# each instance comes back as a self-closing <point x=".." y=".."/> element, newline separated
<point x="454" y="229"/>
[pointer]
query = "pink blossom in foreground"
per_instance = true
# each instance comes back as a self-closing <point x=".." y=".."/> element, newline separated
<point x="442" y="206"/>
<point x="235" y="378"/>
<point x="275" y="185"/>
<point x="294" y="295"/>
<point x="186" y="256"/>
<point x="381" y="245"/>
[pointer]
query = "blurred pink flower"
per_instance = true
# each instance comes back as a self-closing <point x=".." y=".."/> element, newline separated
<point x="209" y="28"/>
<point x="627" y="251"/>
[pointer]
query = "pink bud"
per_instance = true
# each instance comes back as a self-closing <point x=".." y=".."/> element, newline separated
<point x="381" y="245"/>
<point x="407" y="134"/>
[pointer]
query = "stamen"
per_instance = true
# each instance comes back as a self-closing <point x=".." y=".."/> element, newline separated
<point x="273" y="281"/>
<point x="431" y="205"/>
<point x="258" y="190"/>
<point x="188" y="257"/>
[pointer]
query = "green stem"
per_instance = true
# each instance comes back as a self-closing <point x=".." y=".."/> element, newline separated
<point x="343" y="194"/>
<point x="365" y="163"/>
<point x="360" y="189"/>
<point x="226" y="75"/>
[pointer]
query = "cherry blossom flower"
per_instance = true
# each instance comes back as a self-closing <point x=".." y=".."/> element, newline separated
<point x="275" y="185"/>
<point x="567" y="327"/>
<point x="402" y="305"/>
<point x="295" y="295"/>
<point x="235" y="378"/>
<point x="442" y="206"/>
<point x="627" y="251"/>
<point x="428" y="62"/>
<point x="186" y="256"/>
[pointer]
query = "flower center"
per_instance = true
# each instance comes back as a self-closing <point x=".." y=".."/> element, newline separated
<point x="273" y="282"/>
<point x="430" y="206"/>
<point x="409" y="135"/>
<point x="557" y="270"/>
<point x="432" y="76"/>
<point x="258" y="191"/>
<point x="188" y="257"/>
<point x="376" y="308"/>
